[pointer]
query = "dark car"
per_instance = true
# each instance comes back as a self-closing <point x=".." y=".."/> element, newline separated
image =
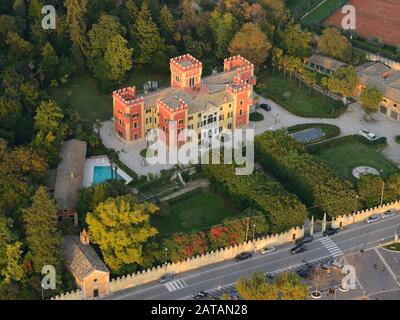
<point x="166" y="278"/>
<point x="265" y="107"/>
<point x="243" y="256"/>
<point x="269" y="275"/>
<point x="304" y="273"/>
<point x="305" y="240"/>
<point x="200" y="295"/>
<point x="330" y="232"/>
<point x="298" y="249"/>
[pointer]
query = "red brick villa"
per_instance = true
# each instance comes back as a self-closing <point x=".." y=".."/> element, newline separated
<point x="207" y="105"/>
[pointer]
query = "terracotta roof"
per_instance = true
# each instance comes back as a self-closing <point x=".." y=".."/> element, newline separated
<point x="70" y="174"/>
<point x="81" y="259"/>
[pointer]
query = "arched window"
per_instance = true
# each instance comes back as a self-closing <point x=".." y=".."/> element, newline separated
<point x="210" y="119"/>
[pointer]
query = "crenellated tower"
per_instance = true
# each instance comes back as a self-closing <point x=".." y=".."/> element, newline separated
<point x="186" y="71"/>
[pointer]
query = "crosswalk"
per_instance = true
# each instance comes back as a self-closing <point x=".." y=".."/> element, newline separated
<point x="331" y="246"/>
<point x="175" y="285"/>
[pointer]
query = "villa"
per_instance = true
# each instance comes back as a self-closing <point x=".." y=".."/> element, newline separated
<point x="207" y="105"/>
<point x="381" y="76"/>
<point x="323" y="64"/>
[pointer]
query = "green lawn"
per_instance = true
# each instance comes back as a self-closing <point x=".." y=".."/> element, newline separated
<point x="393" y="246"/>
<point x="300" y="102"/>
<point x="197" y="211"/>
<point x="343" y="158"/>
<point x="82" y="93"/>
<point x="323" y="11"/>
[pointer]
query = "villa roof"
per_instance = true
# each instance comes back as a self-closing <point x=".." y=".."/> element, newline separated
<point x="211" y="92"/>
<point x="326" y="62"/>
<point x="381" y="76"/>
<point x="81" y="259"/>
<point x="70" y="174"/>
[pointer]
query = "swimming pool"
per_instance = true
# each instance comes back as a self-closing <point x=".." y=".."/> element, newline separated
<point x="102" y="174"/>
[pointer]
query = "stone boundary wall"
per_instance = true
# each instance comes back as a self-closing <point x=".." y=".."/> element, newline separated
<point x="145" y="276"/>
<point x="73" y="295"/>
<point x="347" y="219"/>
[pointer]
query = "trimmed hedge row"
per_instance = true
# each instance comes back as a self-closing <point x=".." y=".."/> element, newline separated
<point x="303" y="174"/>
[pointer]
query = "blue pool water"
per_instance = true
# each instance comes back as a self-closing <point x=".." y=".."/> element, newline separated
<point x="102" y="174"/>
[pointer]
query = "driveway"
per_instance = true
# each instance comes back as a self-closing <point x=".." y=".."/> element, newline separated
<point x="350" y="122"/>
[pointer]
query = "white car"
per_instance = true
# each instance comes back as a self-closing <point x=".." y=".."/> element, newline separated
<point x="374" y="218"/>
<point x="267" y="250"/>
<point x="388" y="214"/>
<point x="368" y="135"/>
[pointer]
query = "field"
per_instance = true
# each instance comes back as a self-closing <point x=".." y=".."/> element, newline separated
<point x="344" y="157"/>
<point x="300" y="103"/>
<point x="193" y="212"/>
<point x="323" y="11"/>
<point x="82" y="94"/>
<point x="375" y="19"/>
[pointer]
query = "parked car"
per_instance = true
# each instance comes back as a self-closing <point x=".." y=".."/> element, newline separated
<point x="243" y="256"/>
<point x="374" y="218"/>
<point x="304" y="273"/>
<point x="330" y="232"/>
<point x="298" y="249"/>
<point x="267" y="250"/>
<point x="166" y="278"/>
<point x="200" y="295"/>
<point x="270" y="275"/>
<point x="337" y="265"/>
<point x="388" y="214"/>
<point x="265" y="107"/>
<point x="368" y="135"/>
<point x="305" y="240"/>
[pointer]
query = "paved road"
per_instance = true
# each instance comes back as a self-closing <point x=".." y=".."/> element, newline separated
<point x="352" y="239"/>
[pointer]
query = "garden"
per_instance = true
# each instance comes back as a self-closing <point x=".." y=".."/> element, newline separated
<point x="350" y="153"/>
<point x="298" y="99"/>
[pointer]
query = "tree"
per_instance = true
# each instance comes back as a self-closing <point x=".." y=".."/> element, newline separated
<point x="370" y="190"/>
<point x="251" y="43"/>
<point x="223" y="28"/>
<point x="76" y="10"/>
<point x="49" y="62"/>
<point x="13" y="269"/>
<point x="276" y="11"/>
<point x="147" y="35"/>
<point x="333" y="44"/>
<point x="167" y="23"/>
<point x="310" y="78"/>
<point x="392" y="188"/>
<point x="297" y="42"/>
<point x="343" y="81"/>
<point x="370" y="98"/>
<point x="118" y="59"/>
<point x="42" y="236"/>
<point x="120" y="226"/>
<point x="290" y="286"/>
<point x="256" y="287"/>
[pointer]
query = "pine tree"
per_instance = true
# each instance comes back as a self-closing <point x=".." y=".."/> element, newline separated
<point x="76" y="10"/>
<point x="147" y="35"/>
<point x="167" y="22"/>
<point x="42" y="236"/>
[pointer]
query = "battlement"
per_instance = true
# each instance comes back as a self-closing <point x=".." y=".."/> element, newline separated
<point x="182" y="105"/>
<point x="238" y="87"/>
<point x="127" y="96"/>
<point x="237" y="62"/>
<point x="186" y="63"/>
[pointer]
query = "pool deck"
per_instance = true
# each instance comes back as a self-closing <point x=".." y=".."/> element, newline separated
<point x="99" y="161"/>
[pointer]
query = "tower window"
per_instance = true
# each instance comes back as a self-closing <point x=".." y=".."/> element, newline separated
<point x="191" y="81"/>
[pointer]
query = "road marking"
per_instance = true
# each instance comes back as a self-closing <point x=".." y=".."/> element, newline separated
<point x="387" y="266"/>
<point x="175" y="285"/>
<point x="331" y="246"/>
